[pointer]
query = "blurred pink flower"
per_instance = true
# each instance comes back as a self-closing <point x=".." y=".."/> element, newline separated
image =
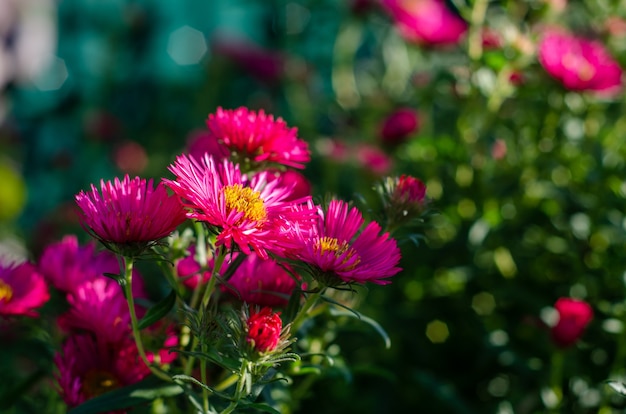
<point x="129" y="214"/>
<point x="338" y="250"/>
<point x="130" y="157"/>
<point x="498" y="149"/>
<point x="579" y="63"/>
<point x="188" y="269"/>
<point x="258" y="138"/>
<point x="574" y="316"/>
<point x="265" y="65"/>
<point x="264" y="328"/>
<point x="373" y="159"/>
<point x="22" y="290"/>
<point x="262" y="282"/>
<point x="202" y="142"/>
<point x="88" y="368"/>
<point x="246" y="213"/>
<point x="427" y="22"/>
<point x="299" y="185"/>
<point x="399" y="125"/>
<point x="66" y="264"/>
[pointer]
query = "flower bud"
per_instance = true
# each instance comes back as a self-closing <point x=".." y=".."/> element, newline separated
<point x="264" y="329"/>
<point x="399" y="125"/>
<point x="574" y="316"/>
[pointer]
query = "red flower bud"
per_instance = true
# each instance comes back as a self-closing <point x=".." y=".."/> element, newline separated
<point x="264" y="328"/>
<point x="574" y="316"/>
<point x="399" y="125"/>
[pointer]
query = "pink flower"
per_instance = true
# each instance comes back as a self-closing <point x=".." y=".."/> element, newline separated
<point x="373" y="159"/>
<point x="98" y="306"/>
<point x="426" y="21"/>
<point x="88" y="368"/>
<point x="66" y="264"/>
<point x="22" y="290"/>
<point x="265" y="65"/>
<point x="264" y="329"/>
<point x="574" y="316"/>
<point x="246" y="213"/>
<point x="188" y="269"/>
<point x="338" y="250"/>
<point x="130" y="213"/>
<point x="262" y="282"/>
<point x="258" y="138"/>
<point x="299" y="186"/>
<point x="580" y="64"/>
<point x="399" y="125"/>
<point x="202" y="142"/>
<point x="409" y="190"/>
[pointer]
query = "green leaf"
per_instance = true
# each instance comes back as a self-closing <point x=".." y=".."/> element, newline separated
<point x="142" y="392"/>
<point x="187" y="378"/>
<point x="158" y="311"/>
<point x="352" y="313"/>
<point x="618" y="387"/>
<point x="259" y="406"/>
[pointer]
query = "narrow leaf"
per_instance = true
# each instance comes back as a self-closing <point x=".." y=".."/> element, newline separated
<point x="618" y="387"/>
<point x="352" y="313"/>
<point x="158" y="311"/>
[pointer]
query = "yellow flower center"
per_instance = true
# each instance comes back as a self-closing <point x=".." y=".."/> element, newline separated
<point x="98" y="382"/>
<point x="245" y="200"/>
<point x="6" y="293"/>
<point x="331" y="244"/>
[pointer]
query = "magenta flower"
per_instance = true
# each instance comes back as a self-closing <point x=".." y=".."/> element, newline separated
<point x="202" y="142"/>
<point x="427" y="22"/>
<point x="258" y="138"/>
<point x="262" y="282"/>
<point x="188" y="269"/>
<point x="98" y="306"/>
<point x="264" y="330"/>
<point x="580" y="64"/>
<point x="336" y="250"/>
<point x="130" y="214"/>
<point x="398" y="126"/>
<point x="246" y="213"/>
<point x="299" y="186"/>
<point x="22" y="290"/>
<point x="66" y="264"/>
<point x="574" y="316"/>
<point x="409" y="190"/>
<point x="373" y="159"/>
<point x="88" y="368"/>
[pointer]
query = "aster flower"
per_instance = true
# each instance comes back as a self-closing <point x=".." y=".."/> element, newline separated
<point x="88" y="368"/>
<point x="262" y="282"/>
<point x="258" y="138"/>
<point x="188" y="269"/>
<point x="22" y="290"/>
<point x="98" y="306"/>
<point x="399" y="125"/>
<point x="404" y="199"/>
<point x="245" y="213"/>
<point x="128" y="215"/>
<point x="337" y="251"/>
<point x="579" y="63"/>
<point x="66" y="264"/>
<point x="264" y="329"/>
<point x="574" y="316"/>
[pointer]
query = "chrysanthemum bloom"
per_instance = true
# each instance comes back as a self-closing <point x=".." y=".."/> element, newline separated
<point x="98" y="306"/>
<point x="262" y="282"/>
<point x="66" y="264"/>
<point x="574" y="316"/>
<point x="398" y="126"/>
<point x="247" y="214"/>
<point x="22" y="290"/>
<point x="338" y="250"/>
<point x="580" y="64"/>
<point x="427" y="22"/>
<point x="254" y="137"/>
<point x="88" y="368"/>
<point x="129" y="215"/>
<point x="264" y="329"/>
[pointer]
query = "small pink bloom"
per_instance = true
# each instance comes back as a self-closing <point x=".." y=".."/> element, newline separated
<point x="426" y="21"/>
<point x="264" y="329"/>
<point x="373" y="159"/>
<point x="580" y="64"/>
<point x="574" y="316"/>
<point x="22" y="290"/>
<point x="188" y="269"/>
<point x="258" y="137"/>
<point x="498" y="149"/>
<point x="298" y="184"/>
<point x="98" y="306"/>
<point x="131" y="157"/>
<point x="262" y="282"/>
<point x="130" y="211"/>
<point x="409" y="190"/>
<point x="246" y="213"/>
<point x="66" y="264"/>
<point x="88" y="368"/>
<point x="202" y="142"/>
<point x="340" y="248"/>
<point x="265" y="65"/>
<point x="399" y="126"/>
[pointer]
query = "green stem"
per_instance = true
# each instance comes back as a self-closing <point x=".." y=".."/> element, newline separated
<point x="128" y="291"/>
<point x="220" y="254"/>
<point x="205" y="392"/>
<point x="308" y="304"/>
<point x="556" y="377"/>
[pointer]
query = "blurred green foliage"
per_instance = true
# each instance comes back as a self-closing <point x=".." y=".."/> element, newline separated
<point x="512" y="232"/>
